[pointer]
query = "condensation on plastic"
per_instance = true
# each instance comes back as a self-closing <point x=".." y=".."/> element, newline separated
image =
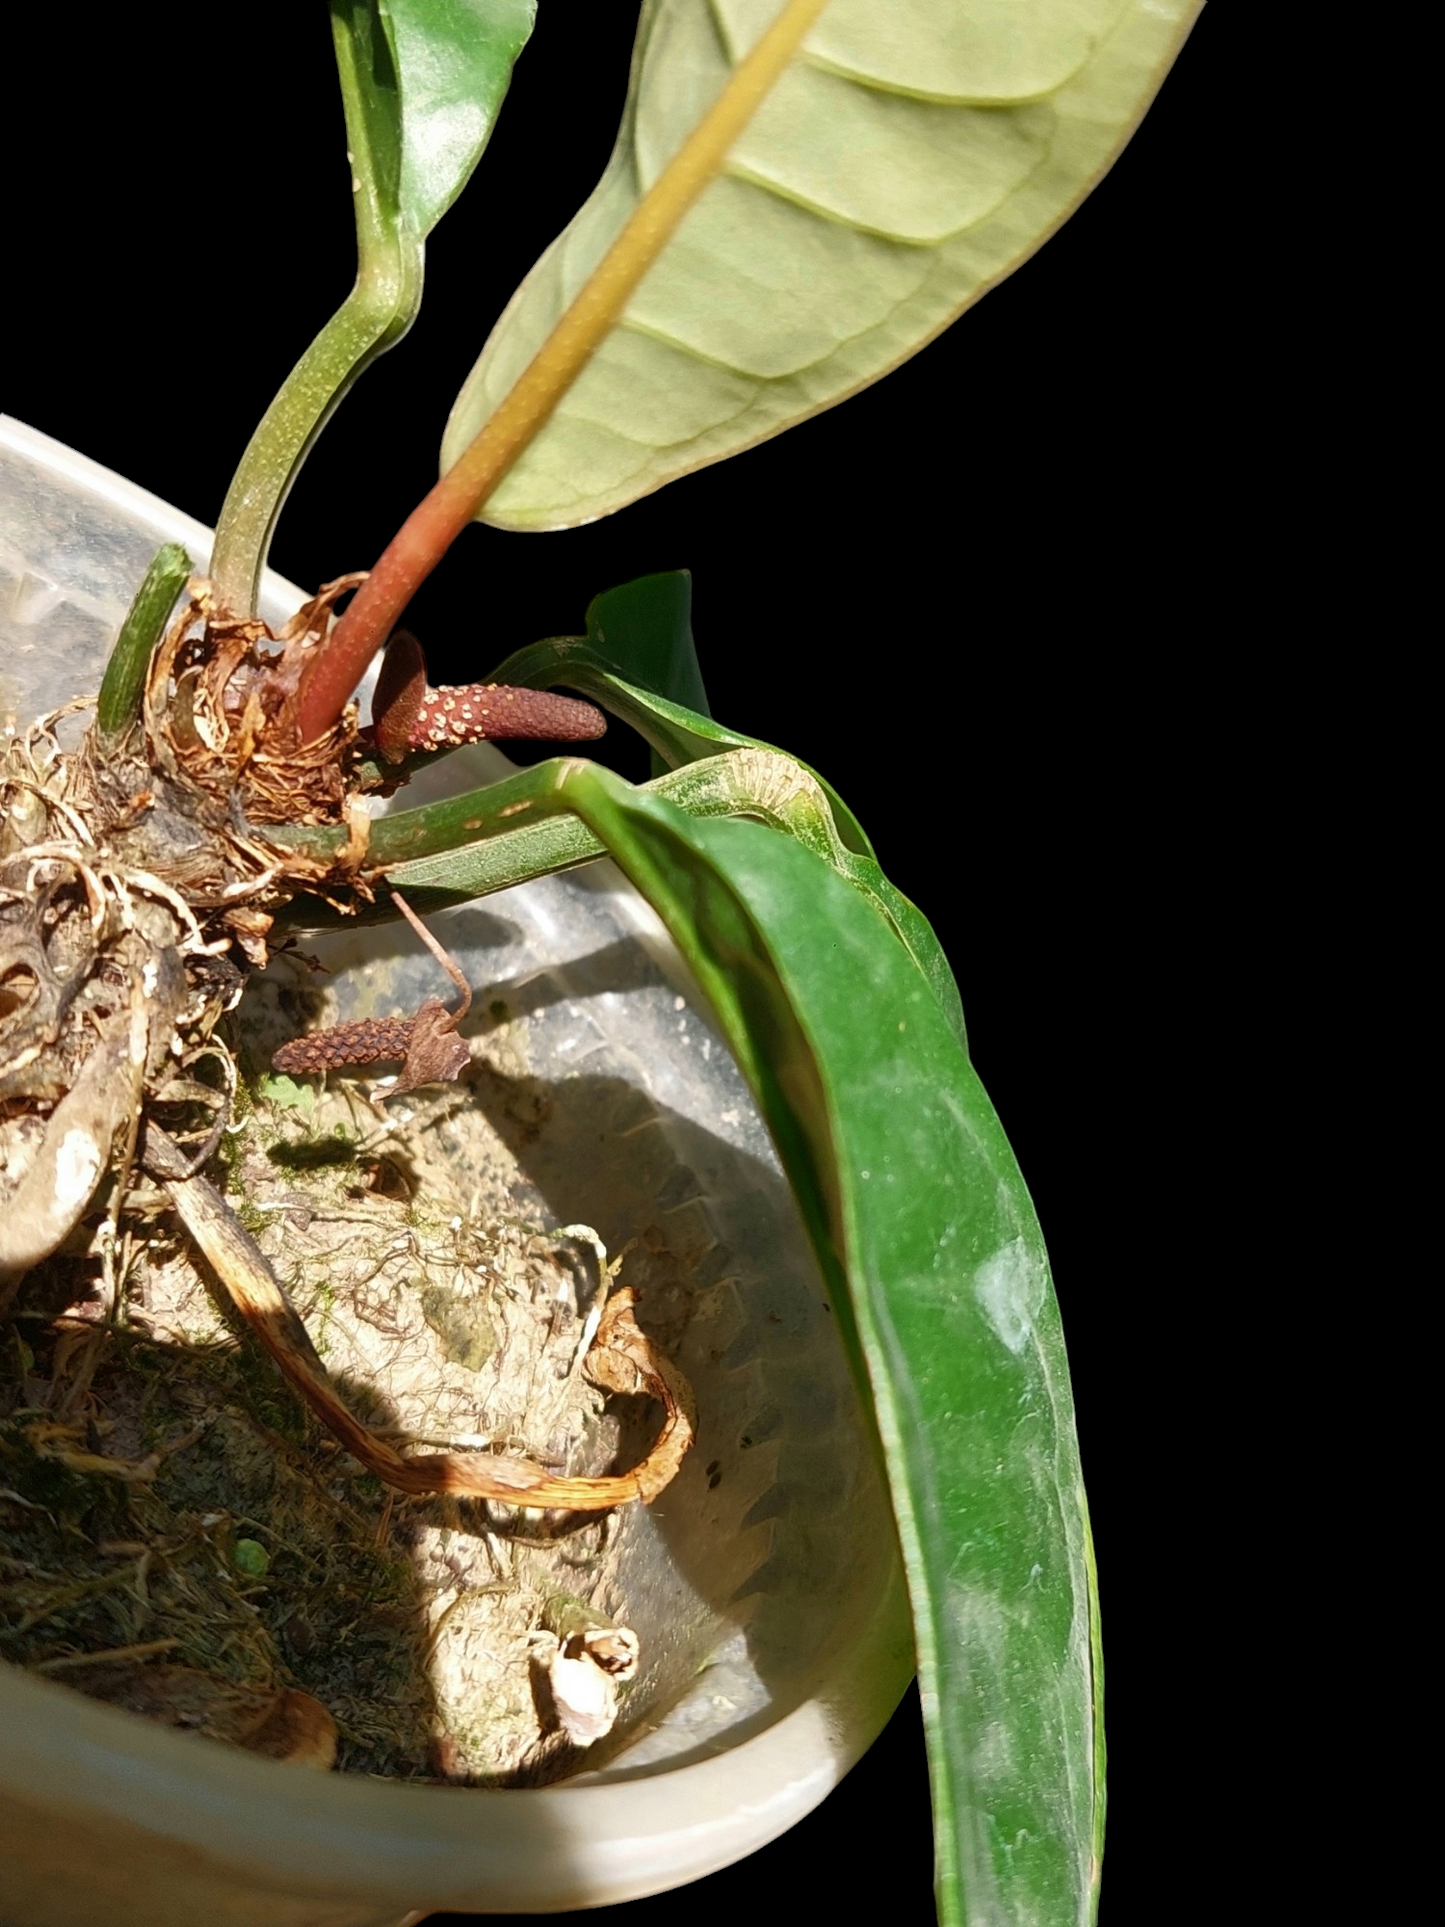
<point x="765" y="1581"/>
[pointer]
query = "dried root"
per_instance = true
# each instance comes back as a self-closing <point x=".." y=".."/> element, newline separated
<point x="621" y="1359"/>
<point x="114" y="989"/>
<point x="109" y="989"/>
<point x="127" y="872"/>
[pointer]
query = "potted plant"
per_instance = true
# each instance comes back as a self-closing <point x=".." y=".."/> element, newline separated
<point x="1002" y="1284"/>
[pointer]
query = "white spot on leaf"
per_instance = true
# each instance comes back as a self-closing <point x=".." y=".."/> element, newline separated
<point x="1011" y="1287"/>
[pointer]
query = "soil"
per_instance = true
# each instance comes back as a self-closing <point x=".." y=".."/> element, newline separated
<point x="183" y="1538"/>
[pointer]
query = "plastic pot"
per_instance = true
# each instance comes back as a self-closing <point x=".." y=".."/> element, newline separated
<point x="776" y="1583"/>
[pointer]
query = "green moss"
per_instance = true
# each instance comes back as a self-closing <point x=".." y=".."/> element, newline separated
<point x="250" y="1215"/>
<point x="468" y="1336"/>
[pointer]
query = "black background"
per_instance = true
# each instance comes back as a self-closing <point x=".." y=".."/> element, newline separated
<point x="983" y="597"/>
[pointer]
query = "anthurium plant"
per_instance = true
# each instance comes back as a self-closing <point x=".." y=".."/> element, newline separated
<point x="803" y="194"/>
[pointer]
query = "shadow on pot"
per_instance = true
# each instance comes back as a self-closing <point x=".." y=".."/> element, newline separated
<point x="750" y="1573"/>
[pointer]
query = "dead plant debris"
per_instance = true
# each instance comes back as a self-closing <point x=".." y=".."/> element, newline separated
<point x="406" y="1569"/>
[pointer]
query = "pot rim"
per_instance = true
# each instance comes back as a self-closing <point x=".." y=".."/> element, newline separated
<point x="544" y="1849"/>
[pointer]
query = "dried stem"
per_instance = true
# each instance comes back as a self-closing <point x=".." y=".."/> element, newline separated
<point x="448" y="963"/>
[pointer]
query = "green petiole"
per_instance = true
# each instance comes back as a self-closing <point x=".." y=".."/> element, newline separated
<point x="119" y="702"/>
<point x="523" y="827"/>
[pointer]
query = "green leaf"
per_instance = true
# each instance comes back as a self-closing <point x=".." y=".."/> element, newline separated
<point x="455" y="60"/>
<point x="651" y="621"/>
<point x="909" y="157"/>
<point x="286" y="1092"/>
<point x="639" y="662"/>
<point x="928" y="1240"/>
<point x="422" y="82"/>
<point x="645" y="628"/>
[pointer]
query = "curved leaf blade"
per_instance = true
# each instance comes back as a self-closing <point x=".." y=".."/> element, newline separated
<point x="643" y="630"/>
<point x="907" y="160"/>
<point x="931" y="1248"/>
<point x="676" y="735"/>
<point x="645" y="626"/>
<point x="122" y="688"/>
<point x="639" y="661"/>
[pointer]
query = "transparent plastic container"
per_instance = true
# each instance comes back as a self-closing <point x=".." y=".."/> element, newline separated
<point x="767" y="1573"/>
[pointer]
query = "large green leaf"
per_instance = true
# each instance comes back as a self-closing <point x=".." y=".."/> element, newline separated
<point x="930" y="1246"/>
<point x="422" y="82"/>
<point x="906" y="160"/>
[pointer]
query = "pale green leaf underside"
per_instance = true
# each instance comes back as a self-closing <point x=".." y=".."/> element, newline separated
<point x="910" y="158"/>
